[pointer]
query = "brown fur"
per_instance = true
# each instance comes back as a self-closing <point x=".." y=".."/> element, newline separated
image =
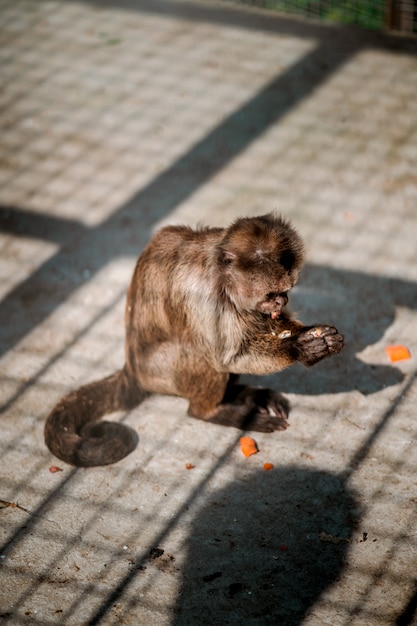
<point x="203" y="306"/>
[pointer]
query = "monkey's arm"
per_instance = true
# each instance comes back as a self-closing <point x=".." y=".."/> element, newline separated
<point x="271" y="352"/>
<point x="262" y="353"/>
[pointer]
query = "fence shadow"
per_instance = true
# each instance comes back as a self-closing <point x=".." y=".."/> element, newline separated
<point x="265" y="548"/>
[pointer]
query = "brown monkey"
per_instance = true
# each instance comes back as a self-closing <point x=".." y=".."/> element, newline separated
<point x="203" y="307"/>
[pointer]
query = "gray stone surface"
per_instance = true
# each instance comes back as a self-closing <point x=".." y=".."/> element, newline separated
<point x="117" y="118"/>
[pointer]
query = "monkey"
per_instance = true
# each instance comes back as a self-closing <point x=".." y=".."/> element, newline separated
<point x="204" y="306"/>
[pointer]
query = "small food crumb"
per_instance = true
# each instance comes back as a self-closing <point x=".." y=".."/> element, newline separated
<point x="189" y="466"/>
<point x="54" y="468"/>
<point x="398" y="353"/>
<point x="268" y="466"/>
<point x="284" y="334"/>
<point x="248" y="446"/>
<point x="316" y="332"/>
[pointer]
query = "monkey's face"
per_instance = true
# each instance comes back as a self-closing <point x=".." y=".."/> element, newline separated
<point x="259" y="287"/>
<point x="261" y="259"/>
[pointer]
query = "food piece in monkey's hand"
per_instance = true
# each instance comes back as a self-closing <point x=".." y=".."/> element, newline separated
<point x="316" y="332"/>
<point x="284" y="334"/>
<point x="248" y="446"/>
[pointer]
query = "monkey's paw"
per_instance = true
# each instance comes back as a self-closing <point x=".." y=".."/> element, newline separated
<point x="318" y="342"/>
<point x="266" y="410"/>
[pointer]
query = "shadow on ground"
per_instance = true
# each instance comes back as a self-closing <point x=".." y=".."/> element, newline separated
<point x="257" y="552"/>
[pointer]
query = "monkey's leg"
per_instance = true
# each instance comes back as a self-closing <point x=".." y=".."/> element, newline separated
<point x="213" y="399"/>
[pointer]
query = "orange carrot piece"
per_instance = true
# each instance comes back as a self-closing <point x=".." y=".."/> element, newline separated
<point x="189" y="466"/>
<point x="268" y="466"/>
<point x="248" y="446"/>
<point x="398" y="353"/>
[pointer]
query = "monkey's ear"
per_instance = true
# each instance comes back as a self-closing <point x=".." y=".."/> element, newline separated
<point x="227" y="257"/>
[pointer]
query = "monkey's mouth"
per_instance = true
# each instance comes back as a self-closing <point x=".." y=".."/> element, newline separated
<point x="267" y="308"/>
<point x="274" y="304"/>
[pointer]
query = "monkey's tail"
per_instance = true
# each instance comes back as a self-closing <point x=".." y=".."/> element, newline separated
<point x="72" y="432"/>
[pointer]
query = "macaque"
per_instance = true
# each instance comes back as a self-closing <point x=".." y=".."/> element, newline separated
<point x="203" y="307"/>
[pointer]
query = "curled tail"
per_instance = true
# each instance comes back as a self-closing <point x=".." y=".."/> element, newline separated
<point x="73" y="433"/>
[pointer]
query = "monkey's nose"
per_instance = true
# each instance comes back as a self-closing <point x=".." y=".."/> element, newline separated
<point x="278" y="297"/>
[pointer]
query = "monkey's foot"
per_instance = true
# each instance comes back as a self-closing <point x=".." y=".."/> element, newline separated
<point x="261" y="423"/>
<point x="266" y="410"/>
<point x="248" y="408"/>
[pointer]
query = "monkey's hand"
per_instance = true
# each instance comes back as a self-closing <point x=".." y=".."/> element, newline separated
<point x="315" y="343"/>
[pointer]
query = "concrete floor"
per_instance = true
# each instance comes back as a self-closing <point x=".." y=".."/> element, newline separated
<point x="117" y="118"/>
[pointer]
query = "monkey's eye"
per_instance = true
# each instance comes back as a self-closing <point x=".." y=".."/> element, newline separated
<point x="228" y="258"/>
<point x="287" y="260"/>
<point x="273" y="295"/>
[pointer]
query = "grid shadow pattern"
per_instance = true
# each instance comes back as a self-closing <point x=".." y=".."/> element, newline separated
<point x="115" y="120"/>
